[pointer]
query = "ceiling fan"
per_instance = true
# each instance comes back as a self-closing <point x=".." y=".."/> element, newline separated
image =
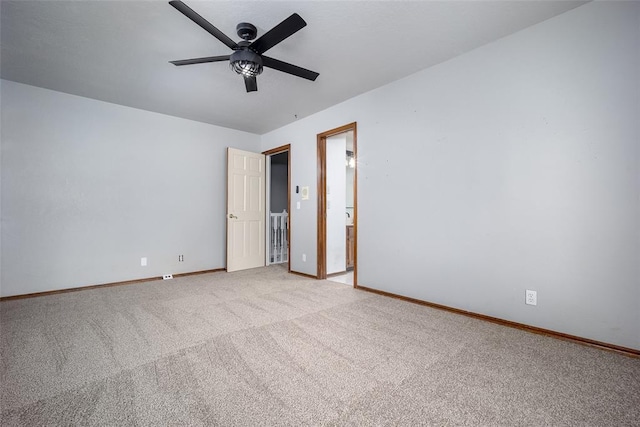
<point x="247" y="58"/>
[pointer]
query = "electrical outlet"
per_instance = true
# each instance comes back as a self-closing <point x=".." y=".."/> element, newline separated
<point x="304" y="257"/>
<point x="531" y="297"/>
<point x="167" y="277"/>
<point x="143" y="261"/>
<point x="180" y="258"/>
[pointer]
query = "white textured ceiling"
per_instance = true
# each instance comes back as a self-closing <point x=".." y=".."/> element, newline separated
<point x="118" y="51"/>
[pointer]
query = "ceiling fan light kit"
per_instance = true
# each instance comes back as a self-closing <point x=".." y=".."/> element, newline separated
<point x="247" y="58"/>
<point x="246" y="63"/>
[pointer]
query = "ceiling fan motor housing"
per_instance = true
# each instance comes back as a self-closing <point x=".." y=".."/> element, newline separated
<point x="246" y="31"/>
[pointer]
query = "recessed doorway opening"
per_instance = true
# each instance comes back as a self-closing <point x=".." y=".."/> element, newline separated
<point x="278" y="232"/>
<point x="337" y="205"/>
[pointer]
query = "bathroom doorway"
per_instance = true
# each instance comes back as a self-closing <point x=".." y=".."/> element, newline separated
<point x="337" y="205"/>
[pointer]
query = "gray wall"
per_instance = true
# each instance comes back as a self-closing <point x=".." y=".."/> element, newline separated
<point x="512" y="167"/>
<point x="88" y="188"/>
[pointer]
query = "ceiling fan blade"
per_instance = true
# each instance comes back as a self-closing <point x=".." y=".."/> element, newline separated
<point x="289" y="26"/>
<point x="206" y="25"/>
<point x="251" y="84"/>
<point x="289" y="68"/>
<point x="201" y="60"/>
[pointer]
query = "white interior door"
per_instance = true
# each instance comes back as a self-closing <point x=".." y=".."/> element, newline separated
<point x="245" y="210"/>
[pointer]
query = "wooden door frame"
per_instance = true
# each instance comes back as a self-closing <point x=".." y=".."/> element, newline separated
<point x="269" y="153"/>
<point x="322" y="199"/>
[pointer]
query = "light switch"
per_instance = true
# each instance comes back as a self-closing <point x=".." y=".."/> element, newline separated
<point x="297" y="205"/>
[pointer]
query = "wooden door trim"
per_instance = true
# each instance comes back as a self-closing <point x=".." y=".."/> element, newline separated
<point x="278" y="150"/>
<point x="321" y="269"/>
<point x="321" y="272"/>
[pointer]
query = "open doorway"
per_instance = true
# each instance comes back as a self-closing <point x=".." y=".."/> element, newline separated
<point x="278" y="204"/>
<point x="337" y="205"/>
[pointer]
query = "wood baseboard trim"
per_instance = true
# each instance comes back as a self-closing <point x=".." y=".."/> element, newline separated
<point x="297" y="273"/>
<point x="533" y="329"/>
<point x="104" y="285"/>
<point x="195" y="273"/>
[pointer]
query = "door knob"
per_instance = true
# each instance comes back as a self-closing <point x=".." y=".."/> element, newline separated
<point x="232" y="216"/>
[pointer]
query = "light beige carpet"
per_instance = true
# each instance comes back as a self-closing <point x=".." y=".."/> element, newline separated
<point x="263" y="347"/>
